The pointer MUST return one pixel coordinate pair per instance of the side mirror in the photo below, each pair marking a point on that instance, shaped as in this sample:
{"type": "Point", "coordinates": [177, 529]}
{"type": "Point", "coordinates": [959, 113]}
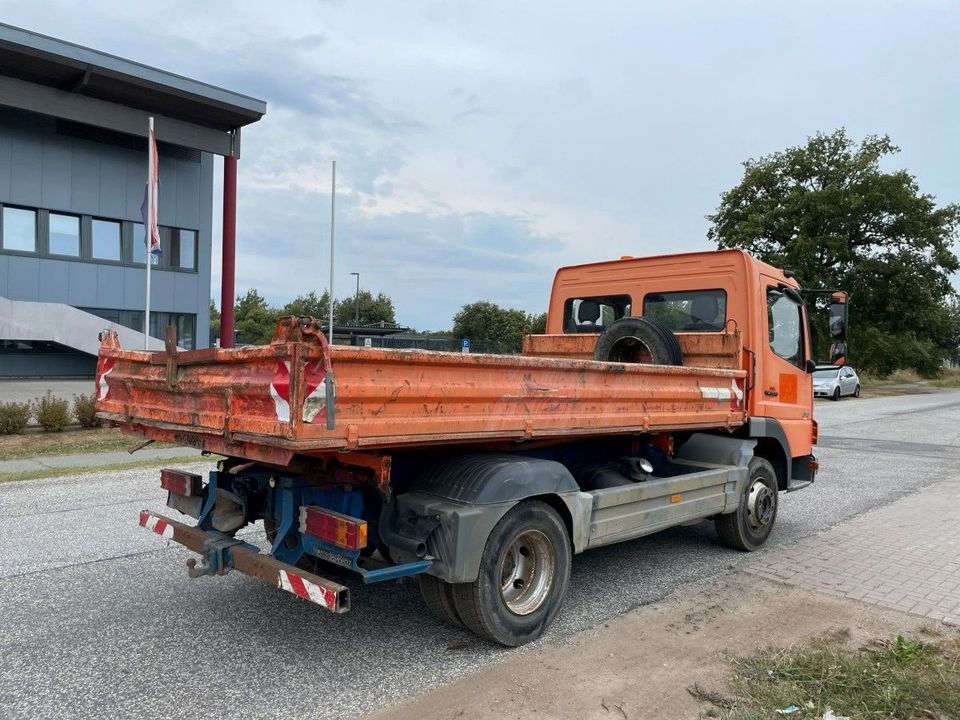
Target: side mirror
{"type": "Point", "coordinates": [838, 353]}
{"type": "Point", "coordinates": [810, 366]}
{"type": "Point", "coordinates": [838, 318]}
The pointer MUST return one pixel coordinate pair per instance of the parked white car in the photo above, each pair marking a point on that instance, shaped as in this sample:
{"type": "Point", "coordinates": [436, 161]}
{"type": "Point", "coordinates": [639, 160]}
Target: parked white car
{"type": "Point", "coordinates": [834, 382]}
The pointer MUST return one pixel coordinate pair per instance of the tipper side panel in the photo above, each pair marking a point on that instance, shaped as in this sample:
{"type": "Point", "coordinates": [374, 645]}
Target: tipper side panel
{"type": "Point", "coordinates": [250, 402]}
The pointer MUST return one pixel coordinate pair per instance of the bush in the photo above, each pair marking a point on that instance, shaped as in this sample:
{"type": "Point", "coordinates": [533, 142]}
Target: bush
{"type": "Point", "coordinates": [53, 413]}
{"type": "Point", "coordinates": [14, 417]}
{"type": "Point", "coordinates": [85, 410]}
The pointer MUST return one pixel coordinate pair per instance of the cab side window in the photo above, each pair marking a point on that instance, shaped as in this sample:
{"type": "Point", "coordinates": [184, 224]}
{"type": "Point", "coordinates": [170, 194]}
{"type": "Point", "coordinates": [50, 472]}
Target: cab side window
{"type": "Point", "coordinates": [785, 326]}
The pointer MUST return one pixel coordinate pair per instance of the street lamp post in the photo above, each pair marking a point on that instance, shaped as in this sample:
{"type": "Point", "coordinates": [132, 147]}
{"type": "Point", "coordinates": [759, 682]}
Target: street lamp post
{"type": "Point", "coordinates": [356, 302]}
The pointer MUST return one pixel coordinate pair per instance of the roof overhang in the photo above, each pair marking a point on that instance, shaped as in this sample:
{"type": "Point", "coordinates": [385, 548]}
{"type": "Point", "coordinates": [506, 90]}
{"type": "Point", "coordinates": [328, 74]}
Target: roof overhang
{"type": "Point", "coordinates": [52, 77]}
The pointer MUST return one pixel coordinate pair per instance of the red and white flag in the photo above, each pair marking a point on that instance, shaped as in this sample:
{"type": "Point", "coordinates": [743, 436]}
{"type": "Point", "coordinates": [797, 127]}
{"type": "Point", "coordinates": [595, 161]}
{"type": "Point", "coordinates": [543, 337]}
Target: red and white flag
{"type": "Point", "coordinates": [148, 209]}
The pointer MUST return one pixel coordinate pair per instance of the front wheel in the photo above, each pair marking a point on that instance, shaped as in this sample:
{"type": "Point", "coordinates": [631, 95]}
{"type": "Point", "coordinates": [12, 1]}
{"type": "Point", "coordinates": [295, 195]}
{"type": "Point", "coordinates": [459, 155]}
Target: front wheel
{"type": "Point", "coordinates": [836, 394]}
{"type": "Point", "coordinates": [523, 577]}
{"type": "Point", "coordinates": [749, 526]}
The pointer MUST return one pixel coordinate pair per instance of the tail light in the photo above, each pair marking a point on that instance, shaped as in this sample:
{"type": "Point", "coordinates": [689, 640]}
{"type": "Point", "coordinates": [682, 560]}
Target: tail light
{"type": "Point", "coordinates": [815, 432]}
{"type": "Point", "coordinates": [180, 482]}
{"type": "Point", "coordinates": [333, 527]}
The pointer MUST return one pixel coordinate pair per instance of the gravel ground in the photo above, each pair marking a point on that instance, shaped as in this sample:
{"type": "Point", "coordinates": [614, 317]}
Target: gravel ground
{"type": "Point", "coordinates": [100, 619]}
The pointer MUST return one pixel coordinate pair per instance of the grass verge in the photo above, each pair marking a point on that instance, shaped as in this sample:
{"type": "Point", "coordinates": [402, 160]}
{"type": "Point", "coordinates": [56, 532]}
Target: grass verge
{"type": "Point", "coordinates": [34, 443]}
{"type": "Point", "coordinates": [899, 678]}
{"type": "Point", "coordinates": [948, 378]}
{"type": "Point", "coordinates": [132, 465]}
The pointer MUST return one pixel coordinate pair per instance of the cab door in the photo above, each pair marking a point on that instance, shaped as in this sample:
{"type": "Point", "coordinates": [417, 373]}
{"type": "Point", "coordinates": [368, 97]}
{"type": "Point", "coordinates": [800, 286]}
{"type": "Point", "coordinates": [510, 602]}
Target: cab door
{"type": "Point", "coordinates": [786, 385]}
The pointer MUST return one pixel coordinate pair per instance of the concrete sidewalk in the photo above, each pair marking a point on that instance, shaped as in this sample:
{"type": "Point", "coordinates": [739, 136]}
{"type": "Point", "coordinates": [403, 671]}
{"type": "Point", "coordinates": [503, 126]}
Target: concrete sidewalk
{"type": "Point", "coordinates": [904, 556]}
{"type": "Point", "coordinates": [104, 459]}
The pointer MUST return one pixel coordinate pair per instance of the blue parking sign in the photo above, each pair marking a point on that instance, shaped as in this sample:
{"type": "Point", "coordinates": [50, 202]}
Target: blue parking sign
{"type": "Point", "coordinates": [465, 345]}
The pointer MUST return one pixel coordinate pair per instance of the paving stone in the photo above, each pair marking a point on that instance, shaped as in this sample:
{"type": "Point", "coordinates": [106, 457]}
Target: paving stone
{"type": "Point", "coordinates": [901, 556]}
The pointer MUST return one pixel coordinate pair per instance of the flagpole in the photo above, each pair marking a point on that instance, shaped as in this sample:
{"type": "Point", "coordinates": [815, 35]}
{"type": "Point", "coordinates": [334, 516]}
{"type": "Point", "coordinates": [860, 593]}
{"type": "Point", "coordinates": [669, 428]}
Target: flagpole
{"type": "Point", "coordinates": [333, 208]}
{"type": "Point", "coordinates": [147, 229]}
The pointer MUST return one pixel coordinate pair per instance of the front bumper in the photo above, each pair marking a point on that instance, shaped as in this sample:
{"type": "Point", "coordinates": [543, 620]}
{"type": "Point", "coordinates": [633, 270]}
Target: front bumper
{"type": "Point", "coordinates": [221, 553]}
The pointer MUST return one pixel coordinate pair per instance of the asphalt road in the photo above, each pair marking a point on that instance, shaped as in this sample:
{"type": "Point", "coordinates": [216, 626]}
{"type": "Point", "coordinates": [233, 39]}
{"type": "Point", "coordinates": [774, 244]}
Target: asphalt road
{"type": "Point", "coordinates": [98, 618]}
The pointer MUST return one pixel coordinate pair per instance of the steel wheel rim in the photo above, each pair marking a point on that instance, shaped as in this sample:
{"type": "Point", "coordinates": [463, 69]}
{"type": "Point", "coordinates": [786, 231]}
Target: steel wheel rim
{"type": "Point", "coordinates": [527, 572]}
{"type": "Point", "coordinates": [630, 349]}
{"type": "Point", "coordinates": [760, 506]}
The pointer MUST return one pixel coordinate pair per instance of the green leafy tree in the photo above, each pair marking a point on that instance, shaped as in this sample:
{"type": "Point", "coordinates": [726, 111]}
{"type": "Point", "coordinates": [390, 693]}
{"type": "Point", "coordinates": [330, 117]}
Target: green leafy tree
{"type": "Point", "coordinates": [310, 304]}
{"type": "Point", "coordinates": [537, 324]}
{"type": "Point", "coordinates": [254, 319]}
{"type": "Point", "coordinates": [373, 309]}
{"type": "Point", "coordinates": [491, 328]}
{"type": "Point", "coordinates": [829, 212]}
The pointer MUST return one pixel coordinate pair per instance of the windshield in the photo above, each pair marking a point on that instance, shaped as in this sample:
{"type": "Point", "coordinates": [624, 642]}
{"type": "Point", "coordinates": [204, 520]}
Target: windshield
{"type": "Point", "coordinates": [826, 374]}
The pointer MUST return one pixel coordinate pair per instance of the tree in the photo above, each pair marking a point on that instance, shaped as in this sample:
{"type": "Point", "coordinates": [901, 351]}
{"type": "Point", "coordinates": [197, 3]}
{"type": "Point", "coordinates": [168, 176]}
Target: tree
{"type": "Point", "coordinates": [491, 328]}
{"type": "Point", "coordinates": [372, 309]}
{"type": "Point", "coordinates": [828, 212]}
{"type": "Point", "coordinates": [214, 323]}
{"type": "Point", "coordinates": [254, 320]}
{"type": "Point", "coordinates": [537, 324]}
{"type": "Point", "coordinates": [309, 304]}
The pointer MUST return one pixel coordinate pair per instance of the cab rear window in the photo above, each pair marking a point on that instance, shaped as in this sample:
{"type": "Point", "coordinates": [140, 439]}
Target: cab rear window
{"type": "Point", "coordinates": [594, 314]}
{"type": "Point", "coordinates": [688, 311]}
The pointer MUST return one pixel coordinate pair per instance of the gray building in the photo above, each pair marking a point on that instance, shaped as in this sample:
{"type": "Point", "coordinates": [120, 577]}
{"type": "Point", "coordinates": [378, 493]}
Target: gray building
{"type": "Point", "coordinates": [73, 166]}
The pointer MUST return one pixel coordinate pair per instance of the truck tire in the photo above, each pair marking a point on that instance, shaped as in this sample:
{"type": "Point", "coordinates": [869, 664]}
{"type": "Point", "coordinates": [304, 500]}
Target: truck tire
{"type": "Point", "coordinates": [438, 596]}
{"type": "Point", "coordinates": [523, 577]}
{"type": "Point", "coordinates": [639, 339]}
{"type": "Point", "coordinates": [749, 526]}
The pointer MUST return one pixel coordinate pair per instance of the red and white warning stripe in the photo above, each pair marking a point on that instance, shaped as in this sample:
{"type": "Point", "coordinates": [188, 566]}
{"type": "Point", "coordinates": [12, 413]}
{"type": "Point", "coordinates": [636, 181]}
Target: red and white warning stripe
{"type": "Point", "coordinates": [302, 587]}
{"type": "Point", "coordinates": [155, 524]}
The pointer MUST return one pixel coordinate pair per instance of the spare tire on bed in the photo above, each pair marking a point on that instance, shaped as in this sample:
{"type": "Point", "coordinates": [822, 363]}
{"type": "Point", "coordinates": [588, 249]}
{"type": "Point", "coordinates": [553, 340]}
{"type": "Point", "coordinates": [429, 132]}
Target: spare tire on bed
{"type": "Point", "coordinates": [639, 340]}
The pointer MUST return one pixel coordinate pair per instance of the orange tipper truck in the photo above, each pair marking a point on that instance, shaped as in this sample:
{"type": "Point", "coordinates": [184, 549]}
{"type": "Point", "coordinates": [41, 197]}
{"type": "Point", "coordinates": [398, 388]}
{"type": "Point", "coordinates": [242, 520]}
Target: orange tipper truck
{"type": "Point", "coordinates": [666, 390]}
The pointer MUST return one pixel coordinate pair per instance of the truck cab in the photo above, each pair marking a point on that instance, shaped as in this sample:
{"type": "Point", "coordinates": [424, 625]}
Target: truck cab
{"type": "Point", "coordinates": [713, 292]}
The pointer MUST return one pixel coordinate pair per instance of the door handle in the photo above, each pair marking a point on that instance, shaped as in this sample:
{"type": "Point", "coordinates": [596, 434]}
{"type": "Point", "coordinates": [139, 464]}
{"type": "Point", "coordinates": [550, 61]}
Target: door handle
{"type": "Point", "coordinates": [770, 392]}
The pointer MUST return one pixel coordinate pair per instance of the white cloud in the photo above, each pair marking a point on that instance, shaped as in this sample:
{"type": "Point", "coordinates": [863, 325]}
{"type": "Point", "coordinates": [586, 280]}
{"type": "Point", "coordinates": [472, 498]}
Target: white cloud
{"type": "Point", "coordinates": [480, 145]}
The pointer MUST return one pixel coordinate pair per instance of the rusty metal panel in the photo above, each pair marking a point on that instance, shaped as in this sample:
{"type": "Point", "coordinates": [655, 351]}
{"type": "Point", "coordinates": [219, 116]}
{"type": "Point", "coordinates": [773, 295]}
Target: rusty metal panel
{"type": "Point", "coordinates": [702, 349]}
{"type": "Point", "coordinates": [273, 397]}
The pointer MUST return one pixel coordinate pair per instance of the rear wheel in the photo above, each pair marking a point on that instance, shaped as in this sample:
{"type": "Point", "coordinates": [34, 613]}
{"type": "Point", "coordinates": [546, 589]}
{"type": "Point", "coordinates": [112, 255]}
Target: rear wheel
{"type": "Point", "coordinates": [749, 526]}
{"type": "Point", "coordinates": [856, 391]}
{"type": "Point", "coordinates": [438, 596]}
{"type": "Point", "coordinates": [523, 577]}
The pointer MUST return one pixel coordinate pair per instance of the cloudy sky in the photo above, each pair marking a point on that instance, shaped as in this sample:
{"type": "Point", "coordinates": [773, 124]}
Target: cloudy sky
{"type": "Point", "coordinates": [480, 145]}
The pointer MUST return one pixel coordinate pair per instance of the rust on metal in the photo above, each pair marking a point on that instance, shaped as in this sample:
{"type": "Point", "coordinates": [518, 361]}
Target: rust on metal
{"type": "Point", "coordinates": [702, 349]}
{"type": "Point", "coordinates": [268, 403]}
{"type": "Point", "coordinates": [170, 347]}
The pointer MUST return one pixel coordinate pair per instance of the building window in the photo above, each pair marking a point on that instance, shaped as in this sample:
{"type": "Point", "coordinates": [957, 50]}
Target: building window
{"type": "Point", "coordinates": [186, 325]}
{"type": "Point", "coordinates": [140, 245]}
{"type": "Point", "coordinates": [183, 249]}
{"type": "Point", "coordinates": [106, 240]}
{"type": "Point", "coordinates": [19, 229]}
{"type": "Point", "coordinates": [64, 235]}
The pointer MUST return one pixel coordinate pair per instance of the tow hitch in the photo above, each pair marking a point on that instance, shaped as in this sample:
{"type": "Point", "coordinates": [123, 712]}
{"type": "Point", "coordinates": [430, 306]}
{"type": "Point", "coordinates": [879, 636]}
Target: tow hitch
{"type": "Point", "coordinates": [222, 553]}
